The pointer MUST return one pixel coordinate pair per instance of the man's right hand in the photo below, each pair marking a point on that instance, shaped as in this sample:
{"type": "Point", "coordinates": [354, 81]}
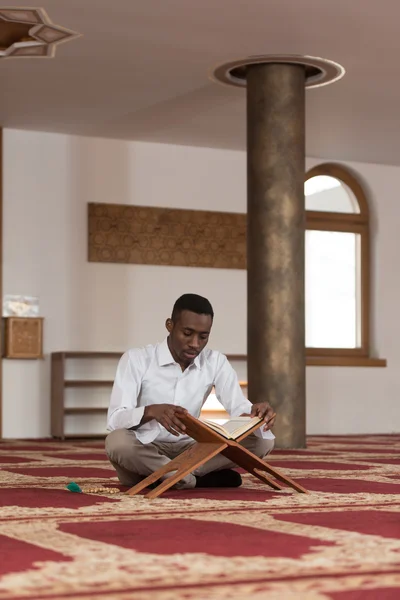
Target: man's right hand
{"type": "Point", "coordinates": [168, 416]}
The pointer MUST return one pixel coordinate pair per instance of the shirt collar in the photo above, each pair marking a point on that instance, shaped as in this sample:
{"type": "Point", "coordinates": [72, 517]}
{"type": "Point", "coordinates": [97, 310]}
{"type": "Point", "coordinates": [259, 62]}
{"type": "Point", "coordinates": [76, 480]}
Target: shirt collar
{"type": "Point", "coordinates": [197, 361]}
{"type": "Point", "coordinates": [165, 357]}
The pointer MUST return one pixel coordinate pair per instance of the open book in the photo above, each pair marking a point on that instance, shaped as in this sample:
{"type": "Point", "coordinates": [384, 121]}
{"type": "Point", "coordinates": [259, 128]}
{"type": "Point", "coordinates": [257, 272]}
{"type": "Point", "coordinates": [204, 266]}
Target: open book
{"type": "Point", "coordinates": [233, 428]}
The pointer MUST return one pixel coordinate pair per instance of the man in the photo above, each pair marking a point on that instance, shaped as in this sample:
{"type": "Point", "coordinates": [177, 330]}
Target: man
{"type": "Point", "coordinates": [154, 386]}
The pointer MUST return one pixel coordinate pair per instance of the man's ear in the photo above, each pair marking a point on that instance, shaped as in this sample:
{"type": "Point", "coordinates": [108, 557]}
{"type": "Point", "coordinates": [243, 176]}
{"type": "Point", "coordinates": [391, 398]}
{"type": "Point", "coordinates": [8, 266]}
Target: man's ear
{"type": "Point", "coordinates": [169, 324]}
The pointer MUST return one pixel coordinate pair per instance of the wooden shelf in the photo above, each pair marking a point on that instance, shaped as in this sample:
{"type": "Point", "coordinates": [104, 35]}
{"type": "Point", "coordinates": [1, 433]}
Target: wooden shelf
{"type": "Point", "coordinates": [84, 411]}
{"type": "Point", "coordinates": [79, 354]}
{"type": "Point", "coordinates": [232, 357]}
{"type": "Point", "coordinates": [87, 383]}
{"type": "Point", "coordinates": [82, 354]}
{"type": "Point", "coordinates": [59, 383]}
{"type": "Point", "coordinates": [84, 436]}
{"type": "Point", "coordinates": [101, 383]}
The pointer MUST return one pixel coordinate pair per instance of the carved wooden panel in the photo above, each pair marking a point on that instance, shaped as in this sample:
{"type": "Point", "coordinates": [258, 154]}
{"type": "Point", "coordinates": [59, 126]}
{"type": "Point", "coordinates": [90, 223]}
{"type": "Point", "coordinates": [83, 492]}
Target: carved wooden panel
{"type": "Point", "coordinates": [164, 236]}
{"type": "Point", "coordinates": [23, 337]}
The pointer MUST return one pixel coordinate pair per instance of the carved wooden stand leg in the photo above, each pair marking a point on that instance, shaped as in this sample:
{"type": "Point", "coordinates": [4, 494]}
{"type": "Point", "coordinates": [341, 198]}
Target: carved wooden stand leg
{"type": "Point", "coordinates": [257, 467]}
{"type": "Point", "coordinates": [183, 464]}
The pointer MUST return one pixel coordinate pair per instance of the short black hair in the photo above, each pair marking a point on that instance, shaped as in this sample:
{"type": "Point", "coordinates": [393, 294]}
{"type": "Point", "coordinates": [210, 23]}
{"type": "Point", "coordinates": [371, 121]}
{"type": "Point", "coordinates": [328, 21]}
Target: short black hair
{"type": "Point", "coordinates": [194, 303]}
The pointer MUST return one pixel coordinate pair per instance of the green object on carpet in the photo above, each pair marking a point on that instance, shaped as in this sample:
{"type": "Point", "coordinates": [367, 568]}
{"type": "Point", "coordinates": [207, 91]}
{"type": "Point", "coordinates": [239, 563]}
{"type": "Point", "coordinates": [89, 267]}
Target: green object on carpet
{"type": "Point", "coordinates": [74, 487]}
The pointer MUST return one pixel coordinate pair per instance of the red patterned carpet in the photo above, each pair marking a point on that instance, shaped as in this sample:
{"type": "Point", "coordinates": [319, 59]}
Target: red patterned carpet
{"type": "Point", "coordinates": [341, 542]}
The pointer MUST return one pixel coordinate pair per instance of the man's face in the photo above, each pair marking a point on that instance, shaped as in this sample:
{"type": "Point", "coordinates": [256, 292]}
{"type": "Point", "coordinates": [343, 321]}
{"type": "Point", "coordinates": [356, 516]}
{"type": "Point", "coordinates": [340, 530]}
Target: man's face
{"type": "Point", "coordinates": [188, 335]}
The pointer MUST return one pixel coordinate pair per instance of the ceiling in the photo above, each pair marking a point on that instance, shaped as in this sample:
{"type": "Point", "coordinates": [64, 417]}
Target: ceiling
{"type": "Point", "coordinates": [140, 71]}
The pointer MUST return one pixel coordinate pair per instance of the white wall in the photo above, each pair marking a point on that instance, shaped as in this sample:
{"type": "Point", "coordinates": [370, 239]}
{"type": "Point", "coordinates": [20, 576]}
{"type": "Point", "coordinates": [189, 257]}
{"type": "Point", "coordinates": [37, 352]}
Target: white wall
{"type": "Point", "coordinates": [48, 181]}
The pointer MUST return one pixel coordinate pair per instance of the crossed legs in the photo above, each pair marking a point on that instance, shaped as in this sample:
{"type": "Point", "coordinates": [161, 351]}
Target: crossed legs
{"type": "Point", "coordinates": [133, 461]}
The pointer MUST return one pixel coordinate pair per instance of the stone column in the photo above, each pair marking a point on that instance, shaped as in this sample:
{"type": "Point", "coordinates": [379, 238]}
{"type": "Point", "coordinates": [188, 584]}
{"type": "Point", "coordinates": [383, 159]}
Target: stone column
{"type": "Point", "coordinates": [275, 244]}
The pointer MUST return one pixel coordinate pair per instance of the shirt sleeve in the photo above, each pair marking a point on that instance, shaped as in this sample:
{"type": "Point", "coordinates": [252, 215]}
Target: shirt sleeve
{"type": "Point", "coordinates": [123, 412]}
{"type": "Point", "coordinates": [228, 390]}
{"type": "Point", "coordinates": [229, 393]}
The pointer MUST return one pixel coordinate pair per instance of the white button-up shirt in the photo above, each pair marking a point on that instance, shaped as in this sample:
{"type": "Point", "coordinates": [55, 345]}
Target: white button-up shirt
{"type": "Point", "coordinates": [150, 375]}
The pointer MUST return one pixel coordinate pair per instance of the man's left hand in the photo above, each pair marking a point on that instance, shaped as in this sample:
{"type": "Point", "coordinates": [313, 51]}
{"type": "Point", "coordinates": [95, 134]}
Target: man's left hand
{"type": "Point", "coordinates": [265, 411]}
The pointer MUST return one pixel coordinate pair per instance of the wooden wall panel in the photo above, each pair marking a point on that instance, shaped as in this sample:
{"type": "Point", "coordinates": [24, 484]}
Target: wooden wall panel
{"type": "Point", "coordinates": [163, 236]}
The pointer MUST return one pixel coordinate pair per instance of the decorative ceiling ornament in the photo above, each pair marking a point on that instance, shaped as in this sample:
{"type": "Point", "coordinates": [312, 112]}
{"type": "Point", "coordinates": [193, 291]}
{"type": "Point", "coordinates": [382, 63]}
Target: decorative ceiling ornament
{"type": "Point", "coordinates": [318, 71]}
{"type": "Point", "coordinates": [29, 32]}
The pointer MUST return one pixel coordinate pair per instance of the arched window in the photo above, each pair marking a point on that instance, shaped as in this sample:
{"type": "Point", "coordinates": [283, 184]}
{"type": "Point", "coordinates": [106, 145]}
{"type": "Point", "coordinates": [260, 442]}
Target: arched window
{"type": "Point", "coordinates": [337, 266]}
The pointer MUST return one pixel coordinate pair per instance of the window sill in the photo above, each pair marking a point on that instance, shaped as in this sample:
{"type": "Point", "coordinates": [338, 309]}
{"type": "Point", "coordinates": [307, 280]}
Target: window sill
{"type": "Point", "coordinates": [344, 361]}
{"type": "Point", "coordinates": [327, 361]}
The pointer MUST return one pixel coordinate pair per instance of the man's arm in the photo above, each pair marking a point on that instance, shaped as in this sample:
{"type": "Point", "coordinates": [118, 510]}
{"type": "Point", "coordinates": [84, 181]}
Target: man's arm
{"type": "Point", "coordinates": [167, 415]}
{"type": "Point", "coordinates": [124, 413]}
{"type": "Point", "coordinates": [229, 393]}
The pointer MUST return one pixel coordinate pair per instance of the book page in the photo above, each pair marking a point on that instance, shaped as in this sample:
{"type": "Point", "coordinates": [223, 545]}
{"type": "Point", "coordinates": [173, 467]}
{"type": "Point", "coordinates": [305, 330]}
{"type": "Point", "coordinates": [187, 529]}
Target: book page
{"type": "Point", "coordinates": [239, 425]}
{"type": "Point", "coordinates": [233, 427]}
{"type": "Point", "coordinates": [234, 423]}
{"type": "Point", "coordinates": [218, 427]}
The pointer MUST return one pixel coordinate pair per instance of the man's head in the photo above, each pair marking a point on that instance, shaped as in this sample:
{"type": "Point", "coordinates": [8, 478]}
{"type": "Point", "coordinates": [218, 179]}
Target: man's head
{"type": "Point", "coordinates": [189, 327]}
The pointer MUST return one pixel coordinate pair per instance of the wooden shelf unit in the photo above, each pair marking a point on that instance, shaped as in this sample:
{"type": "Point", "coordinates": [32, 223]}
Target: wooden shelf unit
{"type": "Point", "coordinates": [59, 383]}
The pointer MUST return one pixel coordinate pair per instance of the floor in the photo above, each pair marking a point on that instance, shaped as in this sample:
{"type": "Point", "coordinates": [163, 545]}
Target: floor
{"type": "Point", "coordinates": [340, 542]}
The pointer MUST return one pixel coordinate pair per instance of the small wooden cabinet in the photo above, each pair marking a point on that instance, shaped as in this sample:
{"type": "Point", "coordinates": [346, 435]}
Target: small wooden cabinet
{"type": "Point", "coordinates": [23, 337]}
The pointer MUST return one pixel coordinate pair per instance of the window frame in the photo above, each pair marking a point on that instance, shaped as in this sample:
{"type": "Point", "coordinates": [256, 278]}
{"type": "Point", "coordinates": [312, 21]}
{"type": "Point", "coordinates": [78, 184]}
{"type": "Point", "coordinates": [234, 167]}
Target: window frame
{"type": "Point", "coordinates": [357, 223]}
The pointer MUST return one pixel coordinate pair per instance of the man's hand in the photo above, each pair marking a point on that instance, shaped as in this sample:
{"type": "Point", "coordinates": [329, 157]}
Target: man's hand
{"type": "Point", "coordinates": [167, 415]}
{"type": "Point", "coordinates": [265, 411]}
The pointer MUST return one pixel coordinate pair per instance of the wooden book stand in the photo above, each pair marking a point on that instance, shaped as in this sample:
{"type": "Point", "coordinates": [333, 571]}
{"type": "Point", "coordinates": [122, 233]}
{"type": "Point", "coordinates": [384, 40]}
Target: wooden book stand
{"type": "Point", "coordinates": [209, 444]}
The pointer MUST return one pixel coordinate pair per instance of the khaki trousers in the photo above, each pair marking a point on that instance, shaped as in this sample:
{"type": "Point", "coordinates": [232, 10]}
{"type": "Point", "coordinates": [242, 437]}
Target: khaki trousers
{"type": "Point", "coordinates": [133, 461]}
